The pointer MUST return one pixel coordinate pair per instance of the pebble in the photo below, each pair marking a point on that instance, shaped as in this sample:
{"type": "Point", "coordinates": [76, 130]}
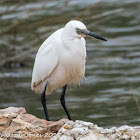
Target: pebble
{"type": "Point", "coordinates": [133, 138]}
{"type": "Point", "coordinates": [79, 131]}
{"type": "Point", "coordinates": [125, 137]}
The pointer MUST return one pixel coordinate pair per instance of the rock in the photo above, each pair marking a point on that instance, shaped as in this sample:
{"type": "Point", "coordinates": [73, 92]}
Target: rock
{"type": "Point", "coordinates": [80, 130]}
{"type": "Point", "coordinates": [12, 110]}
{"type": "Point", "coordinates": [15, 123]}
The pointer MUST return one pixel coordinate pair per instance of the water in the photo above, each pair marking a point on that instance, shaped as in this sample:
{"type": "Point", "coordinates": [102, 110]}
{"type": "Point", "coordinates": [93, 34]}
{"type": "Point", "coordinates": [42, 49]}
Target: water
{"type": "Point", "coordinates": [110, 96]}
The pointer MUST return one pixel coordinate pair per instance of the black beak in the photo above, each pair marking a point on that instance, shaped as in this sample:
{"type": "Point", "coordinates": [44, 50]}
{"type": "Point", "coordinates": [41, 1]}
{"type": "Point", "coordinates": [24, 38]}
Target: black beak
{"type": "Point", "coordinates": [89, 33]}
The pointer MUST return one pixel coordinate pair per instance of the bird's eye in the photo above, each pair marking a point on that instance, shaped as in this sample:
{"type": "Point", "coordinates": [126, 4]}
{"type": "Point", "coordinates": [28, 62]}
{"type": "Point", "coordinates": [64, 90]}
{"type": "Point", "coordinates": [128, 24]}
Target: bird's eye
{"type": "Point", "coordinates": [78, 30]}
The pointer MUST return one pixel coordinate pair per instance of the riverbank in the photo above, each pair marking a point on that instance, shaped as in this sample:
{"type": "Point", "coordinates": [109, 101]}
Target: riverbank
{"type": "Point", "coordinates": [16, 123]}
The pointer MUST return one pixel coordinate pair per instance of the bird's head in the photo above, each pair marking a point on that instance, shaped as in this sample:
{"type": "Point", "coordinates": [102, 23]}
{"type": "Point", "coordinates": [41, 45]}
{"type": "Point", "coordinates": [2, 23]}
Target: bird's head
{"type": "Point", "coordinates": [77, 29]}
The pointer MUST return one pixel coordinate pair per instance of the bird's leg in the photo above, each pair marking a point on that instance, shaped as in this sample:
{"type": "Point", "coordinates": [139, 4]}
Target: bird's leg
{"type": "Point", "coordinates": [43, 99]}
{"type": "Point", "coordinates": [62, 100]}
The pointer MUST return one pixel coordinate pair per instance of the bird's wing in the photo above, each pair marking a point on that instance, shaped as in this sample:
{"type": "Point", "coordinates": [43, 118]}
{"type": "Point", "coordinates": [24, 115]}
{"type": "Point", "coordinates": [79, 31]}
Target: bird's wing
{"type": "Point", "coordinates": [46, 60]}
{"type": "Point", "coordinates": [45, 63]}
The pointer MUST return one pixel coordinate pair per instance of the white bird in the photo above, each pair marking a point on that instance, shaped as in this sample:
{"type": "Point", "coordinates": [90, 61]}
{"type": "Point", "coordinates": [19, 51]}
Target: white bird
{"type": "Point", "coordinates": [60, 61]}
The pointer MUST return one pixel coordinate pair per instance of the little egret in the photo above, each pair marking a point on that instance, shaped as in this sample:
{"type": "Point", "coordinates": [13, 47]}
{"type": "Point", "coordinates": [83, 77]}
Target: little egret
{"type": "Point", "coordinates": [60, 61]}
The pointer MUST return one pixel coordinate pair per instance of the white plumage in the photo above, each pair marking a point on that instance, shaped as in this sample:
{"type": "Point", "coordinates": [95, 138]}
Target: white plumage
{"type": "Point", "coordinates": [61, 59]}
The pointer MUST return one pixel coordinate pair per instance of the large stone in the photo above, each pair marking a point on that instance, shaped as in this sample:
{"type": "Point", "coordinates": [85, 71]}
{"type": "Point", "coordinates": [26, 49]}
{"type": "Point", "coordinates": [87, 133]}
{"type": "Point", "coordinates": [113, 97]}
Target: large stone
{"type": "Point", "coordinates": [15, 123]}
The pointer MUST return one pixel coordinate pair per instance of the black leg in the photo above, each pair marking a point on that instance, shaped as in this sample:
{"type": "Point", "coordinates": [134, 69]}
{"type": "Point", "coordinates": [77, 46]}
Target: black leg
{"type": "Point", "coordinates": [43, 99]}
{"type": "Point", "coordinates": [62, 100]}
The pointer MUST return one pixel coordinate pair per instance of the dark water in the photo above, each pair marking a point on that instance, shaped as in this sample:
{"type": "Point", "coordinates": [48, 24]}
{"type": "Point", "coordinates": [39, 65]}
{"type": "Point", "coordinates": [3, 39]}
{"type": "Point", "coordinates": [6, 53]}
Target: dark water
{"type": "Point", "coordinates": [110, 96]}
